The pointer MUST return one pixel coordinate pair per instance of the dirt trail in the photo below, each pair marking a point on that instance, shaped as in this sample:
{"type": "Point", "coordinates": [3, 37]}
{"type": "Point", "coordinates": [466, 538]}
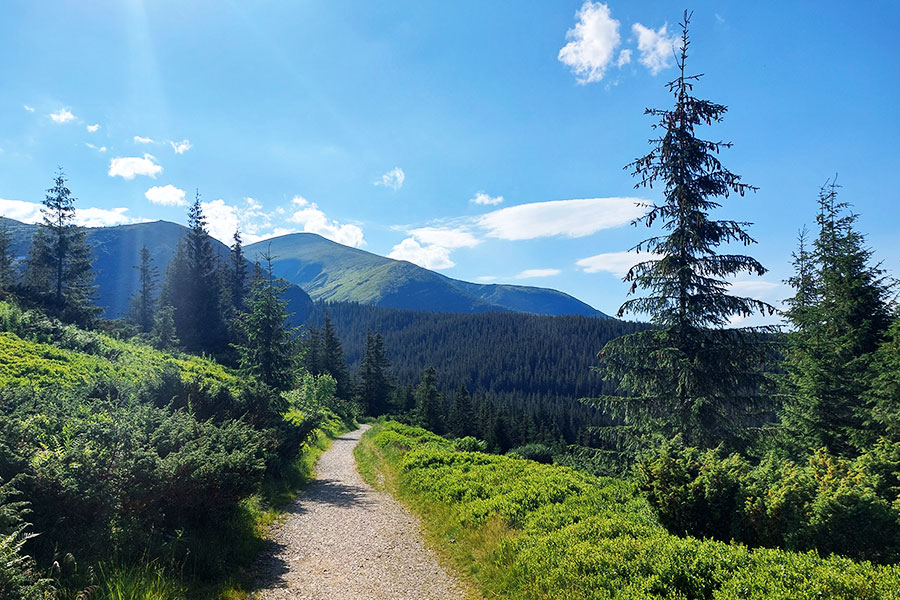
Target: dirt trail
{"type": "Point", "coordinates": [342, 540]}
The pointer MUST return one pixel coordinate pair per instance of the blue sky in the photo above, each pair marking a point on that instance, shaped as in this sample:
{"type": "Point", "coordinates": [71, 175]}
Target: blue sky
{"type": "Point", "coordinates": [485, 140]}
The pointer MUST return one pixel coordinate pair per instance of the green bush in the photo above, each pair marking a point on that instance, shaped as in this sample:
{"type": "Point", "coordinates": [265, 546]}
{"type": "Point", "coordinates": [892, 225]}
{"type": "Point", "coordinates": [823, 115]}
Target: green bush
{"type": "Point", "coordinates": [829, 504]}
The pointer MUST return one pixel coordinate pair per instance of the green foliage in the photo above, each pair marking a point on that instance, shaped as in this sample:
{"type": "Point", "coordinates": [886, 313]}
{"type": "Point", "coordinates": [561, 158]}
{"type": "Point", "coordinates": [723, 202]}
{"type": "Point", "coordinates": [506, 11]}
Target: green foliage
{"type": "Point", "coordinates": [268, 351]}
{"type": "Point", "coordinates": [839, 315]}
{"type": "Point", "coordinates": [58, 270]}
{"type": "Point", "coordinates": [193, 287]}
{"type": "Point", "coordinates": [143, 302]}
{"type": "Point", "coordinates": [537, 452]}
{"type": "Point", "coordinates": [689, 377]}
{"type": "Point", "coordinates": [375, 383]}
{"type": "Point", "coordinates": [531, 531]}
{"type": "Point", "coordinates": [829, 504]}
{"type": "Point", "coordinates": [18, 577]}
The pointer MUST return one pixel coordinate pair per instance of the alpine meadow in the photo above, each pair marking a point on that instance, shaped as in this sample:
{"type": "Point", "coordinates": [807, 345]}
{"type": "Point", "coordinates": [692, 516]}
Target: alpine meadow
{"type": "Point", "coordinates": [349, 300]}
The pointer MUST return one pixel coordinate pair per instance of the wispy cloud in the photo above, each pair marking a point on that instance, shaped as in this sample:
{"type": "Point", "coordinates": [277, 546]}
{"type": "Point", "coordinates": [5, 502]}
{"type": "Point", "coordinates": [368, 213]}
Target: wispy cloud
{"type": "Point", "coordinates": [97, 148]}
{"type": "Point", "coordinates": [617, 263]}
{"type": "Point", "coordinates": [536, 273]}
{"type": "Point", "coordinates": [143, 140]}
{"type": "Point", "coordinates": [392, 179]}
{"type": "Point", "coordinates": [28, 108]}
{"type": "Point", "coordinates": [128, 167]}
{"type": "Point", "coordinates": [592, 43]}
{"type": "Point", "coordinates": [485, 199]}
{"type": "Point", "coordinates": [308, 215]}
{"type": "Point", "coordinates": [181, 147]}
{"type": "Point", "coordinates": [569, 218]}
{"type": "Point", "coordinates": [657, 48]}
{"type": "Point", "coordinates": [62, 116]}
{"type": "Point", "coordinates": [165, 195]}
{"type": "Point", "coordinates": [93, 128]}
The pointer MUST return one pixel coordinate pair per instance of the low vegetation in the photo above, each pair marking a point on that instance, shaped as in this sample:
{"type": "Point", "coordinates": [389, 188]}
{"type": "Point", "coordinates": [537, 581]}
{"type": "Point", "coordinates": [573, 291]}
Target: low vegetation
{"type": "Point", "coordinates": [527, 530]}
{"type": "Point", "coordinates": [128, 472]}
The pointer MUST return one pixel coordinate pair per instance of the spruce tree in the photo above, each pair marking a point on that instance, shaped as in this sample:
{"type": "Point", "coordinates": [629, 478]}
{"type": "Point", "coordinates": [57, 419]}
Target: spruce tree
{"type": "Point", "coordinates": [58, 271]}
{"type": "Point", "coordinates": [143, 302]}
{"type": "Point", "coordinates": [839, 315]}
{"type": "Point", "coordinates": [193, 287]}
{"type": "Point", "coordinates": [460, 418]}
{"type": "Point", "coordinates": [237, 273]}
{"type": "Point", "coordinates": [689, 375]}
{"type": "Point", "coordinates": [331, 358]}
{"type": "Point", "coordinates": [375, 384]}
{"type": "Point", "coordinates": [269, 352]}
{"type": "Point", "coordinates": [429, 409]}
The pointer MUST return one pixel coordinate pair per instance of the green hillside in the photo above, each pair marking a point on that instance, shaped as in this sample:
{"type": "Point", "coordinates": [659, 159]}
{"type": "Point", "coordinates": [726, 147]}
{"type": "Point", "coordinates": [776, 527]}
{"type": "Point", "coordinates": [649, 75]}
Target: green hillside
{"type": "Point", "coordinates": [334, 273]}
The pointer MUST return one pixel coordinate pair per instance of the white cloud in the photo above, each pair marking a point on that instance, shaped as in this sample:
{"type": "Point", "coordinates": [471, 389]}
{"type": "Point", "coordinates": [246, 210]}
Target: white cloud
{"type": "Point", "coordinates": [448, 238]}
{"type": "Point", "coordinates": [28, 108]}
{"type": "Point", "coordinates": [486, 278]}
{"type": "Point", "coordinates": [571, 218]}
{"type": "Point", "coordinates": [624, 58]}
{"type": "Point", "coordinates": [97, 148]}
{"type": "Point", "coordinates": [593, 42]}
{"type": "Point", "coordinates": [314, 220]}
{"type": "Point", "coordinates": [93, 128]}
{"type": "Point", "coordinates": [100, 217]}
{"type": "Point", "coordinates": [617, 263]}
{"type": "Point", "coordinates": [656, 47]}
{"type": "Point", "coordinates": [30, 212]}
{"type": "Point", "coordinates": [431, 257]}
{"type": "Point", "coordinates": [181, 147]}
{"type": "Point", "coordinates": [143, 140]}
{"type": "Point", "coordinates": [128, 167]}
{"type": "Point", "coordinates": [482, 198]}
{"type": "Point", "coordinates": [63, 116]}
{"type": "Point", "coordinates": [392, 179]}
{"type": "Point", "coordinates": [166, 195]}
{"type": "Point", "coordinates": [534, 273]}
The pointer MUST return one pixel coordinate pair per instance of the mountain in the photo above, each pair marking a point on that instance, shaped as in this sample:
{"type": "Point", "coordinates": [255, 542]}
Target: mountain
{"type": "Point", "coordinates": [117, 253]}
{"type": "Point", "coordinates": [331, 272]}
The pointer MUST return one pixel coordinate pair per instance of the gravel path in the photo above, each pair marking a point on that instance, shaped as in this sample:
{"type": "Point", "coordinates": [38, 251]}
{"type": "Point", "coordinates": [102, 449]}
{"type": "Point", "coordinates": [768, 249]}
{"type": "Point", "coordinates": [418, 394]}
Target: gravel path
{"type": "Point", "coordinates": [342, 540]}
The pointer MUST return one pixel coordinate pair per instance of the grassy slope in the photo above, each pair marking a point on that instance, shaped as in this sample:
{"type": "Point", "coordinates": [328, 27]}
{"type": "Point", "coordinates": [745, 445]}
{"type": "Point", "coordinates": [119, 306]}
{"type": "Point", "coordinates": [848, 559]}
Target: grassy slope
{"type": "Point", "coordinates": [522, 530]}
{"type": "Point", "coordinates": [78, 358]}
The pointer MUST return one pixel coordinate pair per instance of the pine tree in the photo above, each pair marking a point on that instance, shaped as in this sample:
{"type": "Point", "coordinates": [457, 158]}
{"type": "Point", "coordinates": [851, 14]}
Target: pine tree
{"type": "Point", "coordinates": [331, 359]}
{"type": "Point", "coordinates": [269, 352]}
{"type": "Point", "coordinates": [193, 287]}
{"type": "Point", "coordinates": [690, 375]}
{"type": "Point", "coordinates": [839, 315]}
{"type": "Point", "coordinates": [461, 416]}
{"type": "Point", "coordinates": [429, 413]}
{"type": "Point", "coordinates": [883, 396]}
{"type": "Point", "coordinates": [143, 302]}
{"type": "Point", "coordinates": [237, 273]}
{"type": "Point", "coordinates": [58, 270]}
{"type": "Point", "coordinates": [375, 384]}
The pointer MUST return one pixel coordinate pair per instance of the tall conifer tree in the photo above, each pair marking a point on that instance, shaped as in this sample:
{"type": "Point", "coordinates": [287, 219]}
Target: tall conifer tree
{"type": "Point", "coordinates": [839, 315]}
{"type": "Point", "coordinates": [269, 352]}
{"type": "Point", "coordinates": [59, 269]}
{"type": "Point", "coordinates": [689, 376]}
{"type": "Point", "coordinates": [193, 288]}
{"type": "Point", "coordinates": [143, 303]}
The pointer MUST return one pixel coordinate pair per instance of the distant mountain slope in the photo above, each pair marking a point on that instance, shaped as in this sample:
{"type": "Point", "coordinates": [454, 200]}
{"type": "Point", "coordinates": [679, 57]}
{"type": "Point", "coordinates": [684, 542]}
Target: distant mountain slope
{"type": "Point", "coordinates": [331, 272]}
{"type": "Point", "coordinates": [117, 252]}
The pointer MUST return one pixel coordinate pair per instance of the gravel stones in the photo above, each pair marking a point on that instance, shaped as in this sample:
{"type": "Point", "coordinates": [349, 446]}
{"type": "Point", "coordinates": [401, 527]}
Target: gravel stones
{"type": "Point", "coordinates": [342, 540]}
